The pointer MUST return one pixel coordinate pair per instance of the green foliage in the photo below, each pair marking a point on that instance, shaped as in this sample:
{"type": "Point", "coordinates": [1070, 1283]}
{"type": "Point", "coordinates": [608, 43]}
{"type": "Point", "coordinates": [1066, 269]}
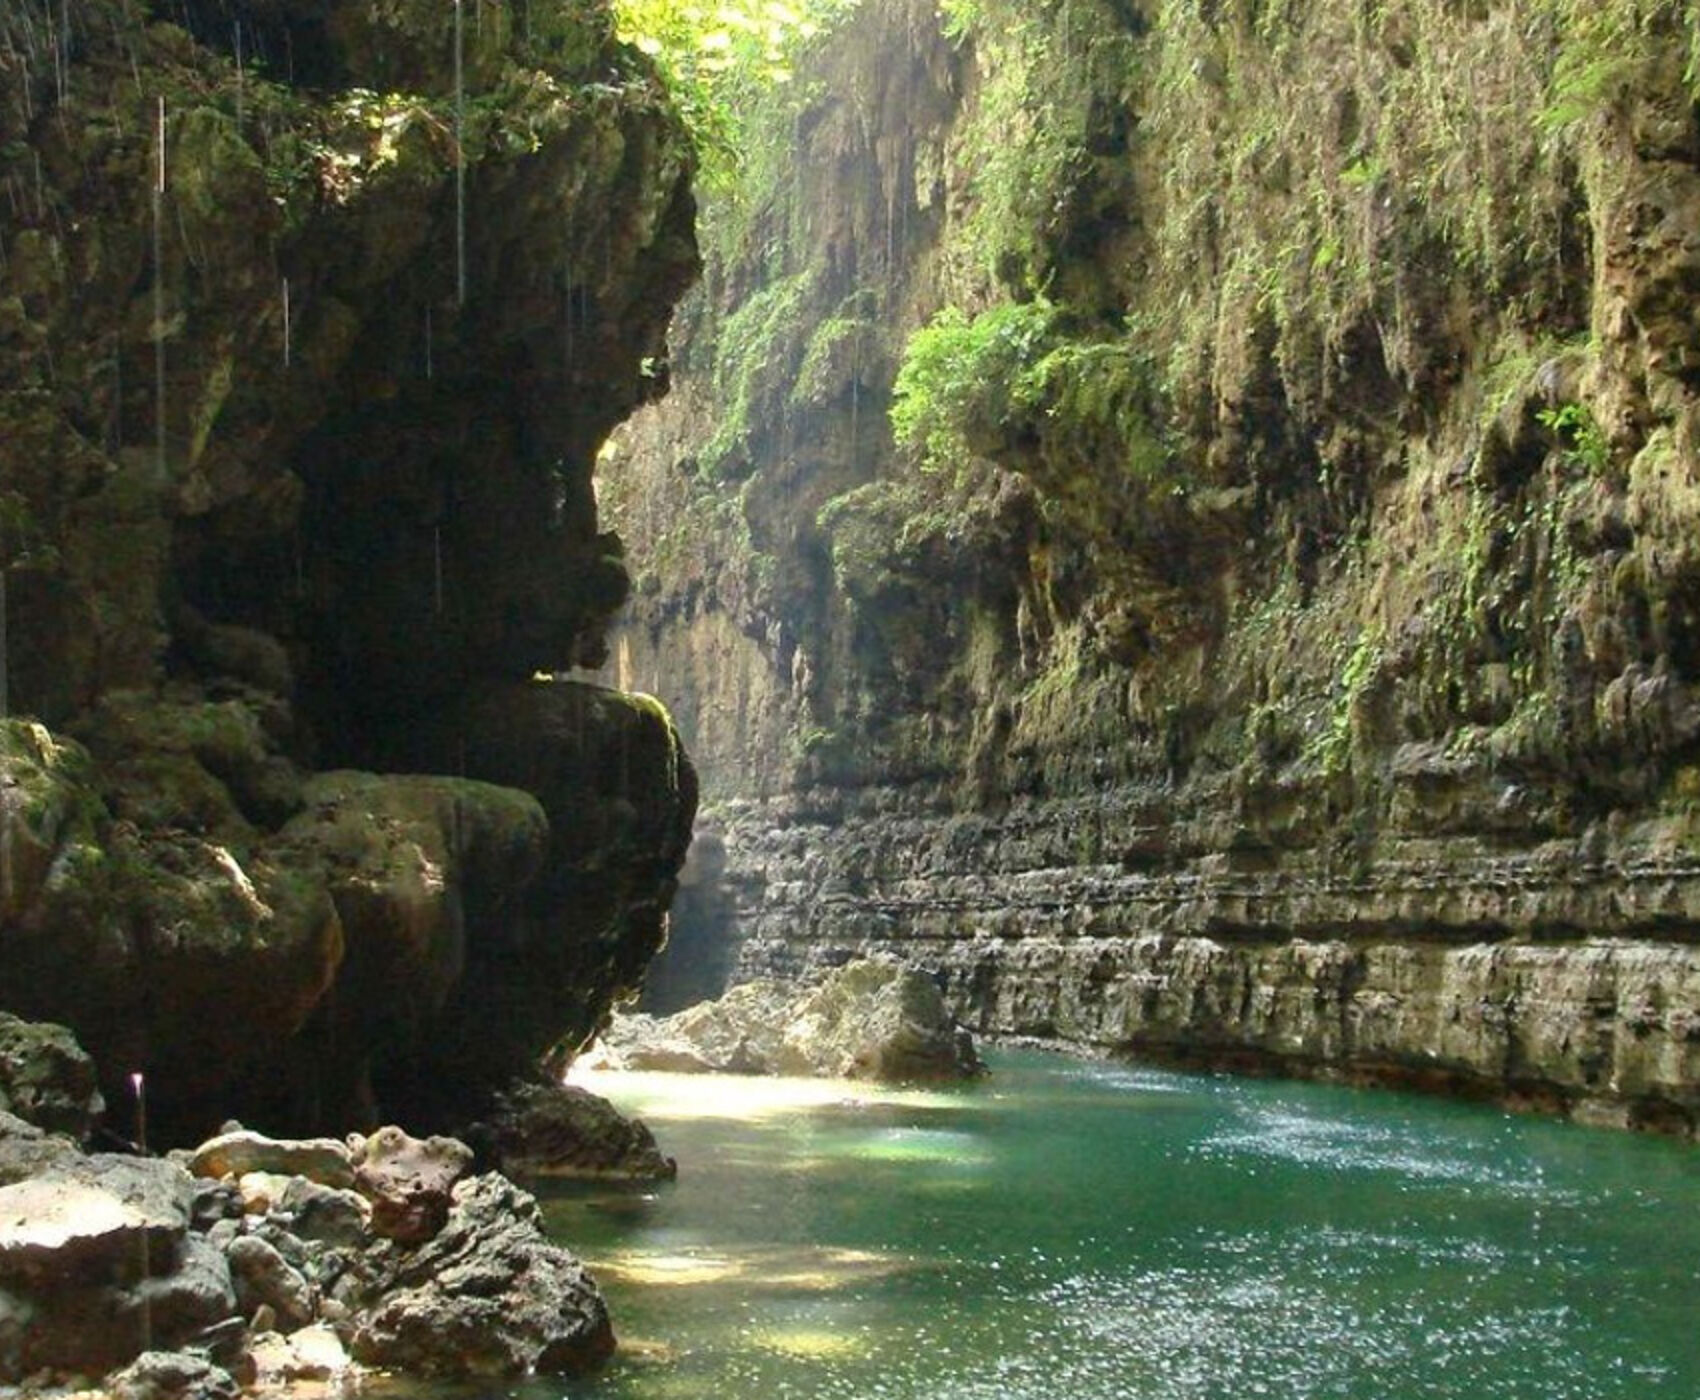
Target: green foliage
{"type": "Point", "coordinates": [957, 386]}
{"type": "Point", "coordinates": [1358, 659]}
{"type": "Point", "coordinates": [720, 59]}
{"type": "Point", "coordinates": [1014, 385]}
{"type": "Point", "coordinates": [1047, 70]}
{"type": "Point", "coordinates": [1575, 426]}
{"type": "Point", "coordinates": [754, 358]}
{"type": "Point", "coordinates": [841, 349]}
{"type": "Point", "coordinates": [1600, 48]}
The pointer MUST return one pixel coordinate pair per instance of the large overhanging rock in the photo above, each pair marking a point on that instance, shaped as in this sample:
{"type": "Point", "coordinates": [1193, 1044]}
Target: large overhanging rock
{"type": "Point", "coordinates": [360, 492]}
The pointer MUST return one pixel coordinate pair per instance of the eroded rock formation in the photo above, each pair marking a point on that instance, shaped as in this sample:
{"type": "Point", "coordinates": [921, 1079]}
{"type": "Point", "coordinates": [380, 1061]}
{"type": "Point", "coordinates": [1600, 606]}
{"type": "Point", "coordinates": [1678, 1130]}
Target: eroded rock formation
{"type": "Point", "coordinates": [304, 360]}
{"type": "Point", "coordinates": [280, 1260]}
{"type": "Point", "coordinates": [872, 1019]}
{"type": "Point", "coordinates": [1286, 657]}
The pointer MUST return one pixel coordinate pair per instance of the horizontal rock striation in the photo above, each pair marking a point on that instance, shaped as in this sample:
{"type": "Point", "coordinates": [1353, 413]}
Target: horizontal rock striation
{"type": "Point", "coordinates": [1566, 977]}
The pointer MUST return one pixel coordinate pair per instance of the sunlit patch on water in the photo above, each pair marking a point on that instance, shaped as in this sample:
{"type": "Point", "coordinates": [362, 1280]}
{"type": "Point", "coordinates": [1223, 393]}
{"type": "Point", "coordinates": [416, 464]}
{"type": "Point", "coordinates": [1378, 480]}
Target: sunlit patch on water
{"type": "Point", "coordinates": [1331, 1143]}
{"type": "Point", "coordinates": [810, 1344]}
{"type": "Point", "coordinates": [922, 1145]}
{"type": "Point", "coordinates": [743, 1096]}
{"type": "Point", "coordinates": [1193, 1331]}
{"type": "Point", "coordinates": [777, 1269]}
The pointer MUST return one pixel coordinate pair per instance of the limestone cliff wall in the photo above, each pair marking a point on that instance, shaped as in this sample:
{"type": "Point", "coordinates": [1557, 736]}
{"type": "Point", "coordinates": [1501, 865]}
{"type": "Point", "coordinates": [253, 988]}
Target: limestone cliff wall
{"type": "Point", "coordinates": [1273, 640]}
{"type": "Point", "coordinates": [312, 319]}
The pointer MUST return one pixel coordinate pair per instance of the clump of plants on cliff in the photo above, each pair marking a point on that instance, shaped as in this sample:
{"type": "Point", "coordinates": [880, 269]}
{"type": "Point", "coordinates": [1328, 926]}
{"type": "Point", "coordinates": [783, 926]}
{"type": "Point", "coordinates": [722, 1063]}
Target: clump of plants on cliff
{"type": "Point", "coordinates": [1015, 384]}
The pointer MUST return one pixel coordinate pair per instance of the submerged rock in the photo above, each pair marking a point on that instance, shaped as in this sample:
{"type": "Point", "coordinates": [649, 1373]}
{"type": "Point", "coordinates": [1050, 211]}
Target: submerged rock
{"type": "Point", "coordinates": [867, 1020]}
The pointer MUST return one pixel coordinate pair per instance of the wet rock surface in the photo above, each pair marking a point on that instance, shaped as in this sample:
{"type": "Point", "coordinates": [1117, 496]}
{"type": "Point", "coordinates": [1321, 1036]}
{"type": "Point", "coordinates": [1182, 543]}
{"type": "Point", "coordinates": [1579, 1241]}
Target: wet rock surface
{"type": "Point", "coordinates": [872, 1019]}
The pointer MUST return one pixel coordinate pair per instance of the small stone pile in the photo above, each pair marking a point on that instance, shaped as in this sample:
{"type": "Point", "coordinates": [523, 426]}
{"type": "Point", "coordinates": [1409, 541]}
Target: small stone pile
{"type": "Point", "coordinates": [257, 1259]}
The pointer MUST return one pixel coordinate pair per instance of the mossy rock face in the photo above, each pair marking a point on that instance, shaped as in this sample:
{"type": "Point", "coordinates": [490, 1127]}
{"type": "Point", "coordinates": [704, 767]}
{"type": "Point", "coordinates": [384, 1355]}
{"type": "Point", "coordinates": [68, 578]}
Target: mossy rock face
{"type": "Point", "coordinates": [46, 804]}
{"type": "Point", "coordinates": [294, 446]}
{"type": "Point", "coordinates": [170, 953]}
{"type": "Point", "coordinates": [620, 797]}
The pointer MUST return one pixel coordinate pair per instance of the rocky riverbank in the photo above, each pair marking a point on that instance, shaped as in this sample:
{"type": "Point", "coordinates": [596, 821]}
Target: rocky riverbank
{"type": "Point", "coordinates": [253, 1261]}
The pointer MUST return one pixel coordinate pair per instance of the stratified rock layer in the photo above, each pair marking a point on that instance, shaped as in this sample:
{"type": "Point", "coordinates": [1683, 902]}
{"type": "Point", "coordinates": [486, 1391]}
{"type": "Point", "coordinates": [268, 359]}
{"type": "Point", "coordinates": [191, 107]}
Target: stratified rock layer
{"type": "Point", "coordinates": [1547, 977]}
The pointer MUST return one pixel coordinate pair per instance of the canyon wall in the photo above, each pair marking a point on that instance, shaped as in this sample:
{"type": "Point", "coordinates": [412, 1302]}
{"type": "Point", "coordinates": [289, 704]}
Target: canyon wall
{"type": "Point", "coordinates": [1269, 637]}
{"type": "Point", "coordinates": [313, 317]}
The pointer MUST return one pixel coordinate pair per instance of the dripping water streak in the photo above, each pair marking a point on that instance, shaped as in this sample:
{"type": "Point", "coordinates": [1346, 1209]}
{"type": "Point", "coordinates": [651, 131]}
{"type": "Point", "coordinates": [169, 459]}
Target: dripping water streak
{"type": "Point", "coordinates": [460, 161]}
{"type": "Point", "coordinates": [159, 288]}
{"type": "Point", "coordinates": [287, 350]}
{"type": "Point", "coordinates": [430, 361]}
{"type": "Point", "coordinates": [145, 1315]}
{"type": "Point", "coordinates": [5, 710]}
{"type": "Point", "coordinates": [240, 88]}
{"type": "Point", "coordinates": [437, 567]}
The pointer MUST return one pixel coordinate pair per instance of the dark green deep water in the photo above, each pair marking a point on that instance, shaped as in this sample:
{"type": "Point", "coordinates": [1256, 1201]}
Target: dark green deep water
{"type": "Point", "coordinates": [1069, 1231]}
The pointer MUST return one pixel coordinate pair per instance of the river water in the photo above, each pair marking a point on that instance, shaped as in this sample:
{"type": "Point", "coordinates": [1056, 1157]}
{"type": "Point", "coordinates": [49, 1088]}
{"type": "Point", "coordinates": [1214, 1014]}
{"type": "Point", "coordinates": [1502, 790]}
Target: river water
{"type": "Point", "coordinates": [1079, 1231]}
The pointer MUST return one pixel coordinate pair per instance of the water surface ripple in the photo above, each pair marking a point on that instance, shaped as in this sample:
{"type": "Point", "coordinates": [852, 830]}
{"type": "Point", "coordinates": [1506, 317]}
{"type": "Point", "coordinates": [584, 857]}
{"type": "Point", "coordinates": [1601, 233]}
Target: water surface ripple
{"type": "Point", "coordinates": [1075, 1231]}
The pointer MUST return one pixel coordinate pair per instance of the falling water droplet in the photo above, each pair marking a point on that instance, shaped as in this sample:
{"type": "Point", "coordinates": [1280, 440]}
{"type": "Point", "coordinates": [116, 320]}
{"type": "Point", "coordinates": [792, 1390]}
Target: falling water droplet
{"type": "Point", "coordinates": [460, 162]}
{"type": "Point", "coordinates": [287, 349]}
{"type": "Point", "coordinates": [437, 566]}
{"type": "Point", "coordinates": [430, 362]}
{"type": "Point", "coordinates": [240, 88]}
{"type": "Point", "coordinates": [5, 793]}
{"type": "Point", "coordinates": [159, 286]}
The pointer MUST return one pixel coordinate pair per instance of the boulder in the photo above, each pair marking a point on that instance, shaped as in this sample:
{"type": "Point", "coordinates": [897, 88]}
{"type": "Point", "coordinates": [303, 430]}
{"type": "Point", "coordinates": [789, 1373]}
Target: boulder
{"type": "Point", "coordinates": [562, 1130]}
{"type": "Point", "coordinates": [488, 1295]}
{"type": "Point", "coordinates": [264, 1278]}
{"type": "Point", "coordinates": [236, 1153]}
{"type": "Point", "coordinates": [173, 1375]}
{"type": "Point", "coordinates": [26, 1151]}
{"type": "Point", "coordinates": [313, 1353]}
{"type": "Point", "coordinates": [317, 1214]}
{"type": "Point", "coordinates": [408, 1181]}
{"type": "Point", "coordinates": [866, 1020]}
{"type": "Point", "coordinates": [194, 1296]}
{"type": "Point", "coordinates": [47, 1079]}
{"type": "Point", "coordinates": [101, 1219]}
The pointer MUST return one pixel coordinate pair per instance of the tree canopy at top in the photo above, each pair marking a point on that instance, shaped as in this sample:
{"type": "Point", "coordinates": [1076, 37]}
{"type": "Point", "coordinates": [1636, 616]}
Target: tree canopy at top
{"type": "Point", "coordinates": [723, 58]}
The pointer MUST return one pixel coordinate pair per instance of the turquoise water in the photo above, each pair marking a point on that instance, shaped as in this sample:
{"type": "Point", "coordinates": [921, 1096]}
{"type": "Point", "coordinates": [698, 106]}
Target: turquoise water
{"type": "Point", "coordinates": [1070, 1231]}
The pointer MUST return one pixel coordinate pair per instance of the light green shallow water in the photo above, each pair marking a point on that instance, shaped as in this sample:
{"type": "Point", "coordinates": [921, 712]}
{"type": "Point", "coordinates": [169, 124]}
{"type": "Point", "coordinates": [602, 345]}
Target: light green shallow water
{"type": "Point", "coordinates": [1071, 1231]}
